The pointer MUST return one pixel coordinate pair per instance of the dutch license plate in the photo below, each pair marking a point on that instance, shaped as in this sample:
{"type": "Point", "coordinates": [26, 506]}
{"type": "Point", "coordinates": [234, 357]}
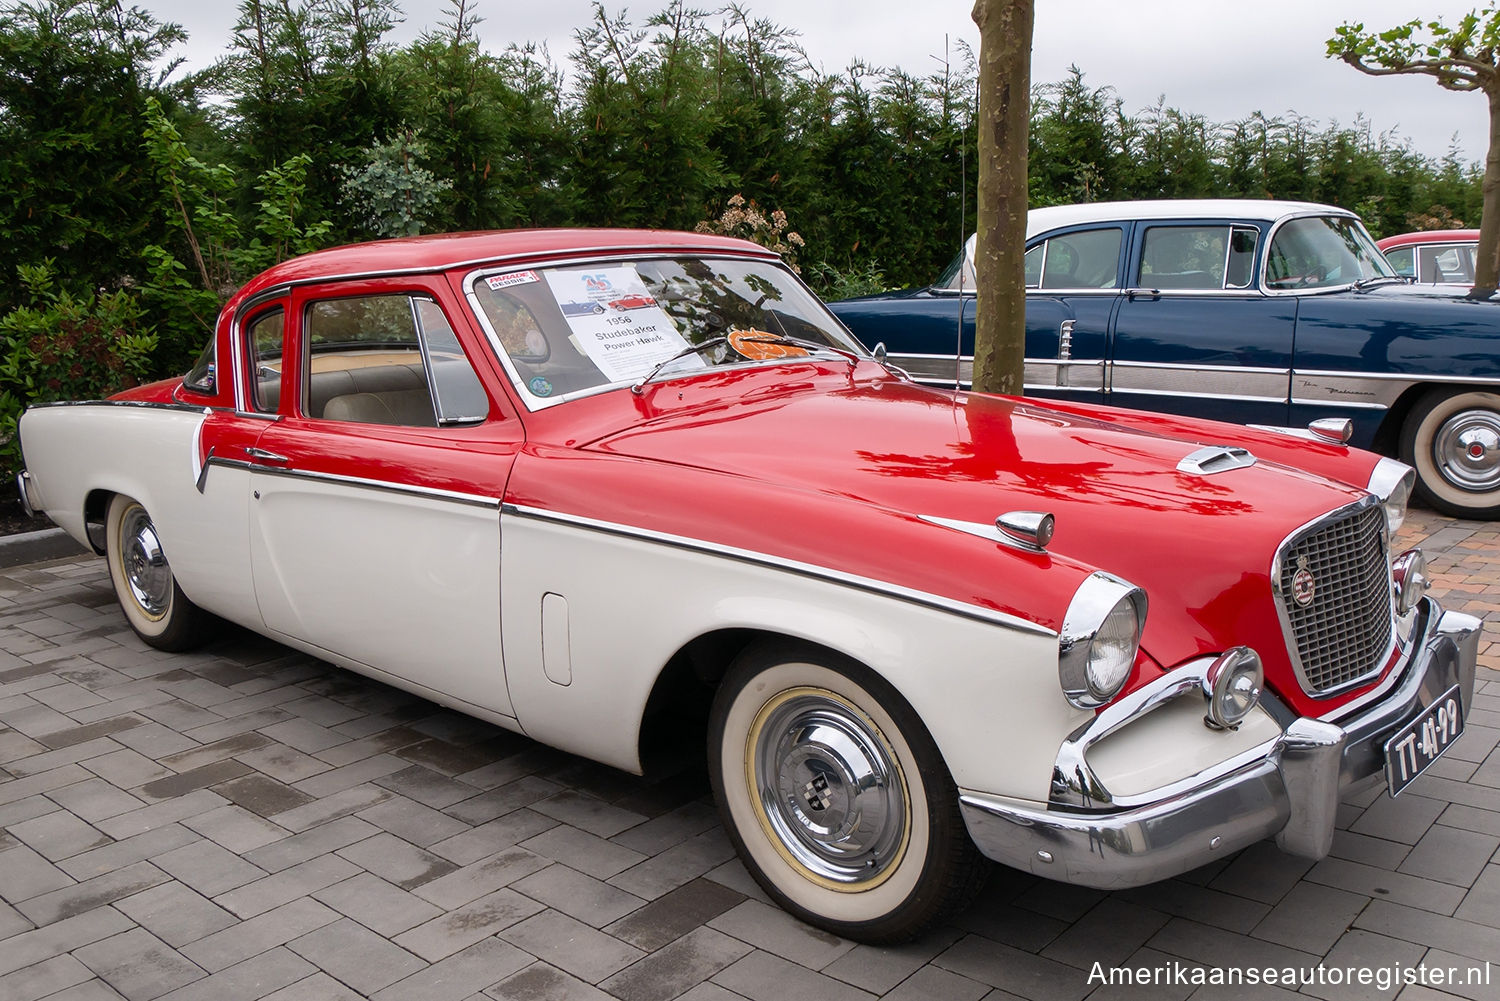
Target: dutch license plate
{"type": "Point", "coordinates": [1420, 742]}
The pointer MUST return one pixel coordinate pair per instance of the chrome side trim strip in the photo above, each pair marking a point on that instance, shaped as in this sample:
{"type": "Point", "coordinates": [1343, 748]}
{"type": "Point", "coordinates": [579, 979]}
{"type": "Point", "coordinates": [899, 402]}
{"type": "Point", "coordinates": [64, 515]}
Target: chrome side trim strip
{"type": "Point", "coordinates": [780, 563]}
{"type": "Point", "coordinates": [474, 500]}
{"type": "Point", "coordinates": [1217, 381]}
{"type": "Point", "coordinates": [136, 404]}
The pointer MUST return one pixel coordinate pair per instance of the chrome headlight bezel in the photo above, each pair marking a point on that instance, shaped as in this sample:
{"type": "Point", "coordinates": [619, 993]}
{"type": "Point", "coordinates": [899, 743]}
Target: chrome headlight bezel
{"type": "Point", "coordinates": [1233, 683]}
{"type": "Point", "coordinates": [1409, 581]}
{"type": "Point", "coordinates": [1392, 482]}
{"type": "Point", "coordinates": [1087, 680]}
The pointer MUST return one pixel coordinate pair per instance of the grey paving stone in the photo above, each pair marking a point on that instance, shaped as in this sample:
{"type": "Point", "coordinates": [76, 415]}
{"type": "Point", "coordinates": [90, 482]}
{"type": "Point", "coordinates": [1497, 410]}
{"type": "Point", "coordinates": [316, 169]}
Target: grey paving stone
{"type": "Point", "coordinates": [154, 740]}
{"type": "Point", "coordinates": [12, 921]}
{"type": "Point", "coordinates": [356, 956]}
{"type": "Point", "coordinates": [994, 918]}
{"type": "Point", "coordinates": [541, 982]}
{"type": "Point", "coordinates": [75, 900]}
{"type": "Point", "coordinates": [662, 832]}
{"type": "Point", "coordinates": [1311, 917]}
{"type": "Point", "coordinates": [761, 976]}
{"type": "Point", "coordinates": [160, 814]}
{"type": "Point", "coordinates": [19, 789]}
{"type": "Point", "coordinates": [673, 915]}
{"type": "Point", "coordinates": [239, 942]}
{"type": "Point", "coordinates": [249, 980]}
{"type": "Point", "coordinates": [236, 828]}
{"type": "Point", "coordinates": [1261, 872]}
{"type": "Point", "coordinates": [23, 810]}
{"type": "Point", "coordinates": [310, 844]}
{"type": "Point", "coordinates": [1361, 950]}
{"type": "Point", "coordinates": [931, 982]}
{"type": "Point", "coordinates": [25, 873]}
{"type": "Point", "coordinates": [303, 734]}
{"type": "Point", "coordinates": [1109, 933]}
{"type": "Point", "coordinates": [325, 808]}
{"type": "Point", "coordinates": [103, 728]}
{"type": "Point", "coordinates": [1471, 818]}
{"type": "Point", "coordinates": [461, 975]}
{"type": "Point", "coordinates": [474, 881]}
{"type": "Point", "coordinates": [413, 822]}
{"type": "Point", "coordinates": [1405, 818]}
{"type": "Point", "coordinates": [677, 865]}
{"type": "Point", "coordinates": [1451, 855]}
{"type": "Point", "coordinates": [397, 861]}
{"type": "Point", "coordinates": [576, 895]}
{"type": "Point", "coordinates": [1366, 850]}
{"type": "Point", "coordinates": [15, 745]}
{"type": "Point", "coordinates": [318, 987]}
{"type": "Point", "coordinates": [263, 795]}
{"type": "Point", "coordinates": [588, 813]}
{"type": "Point", "coordinates": [44, 979]}
{"type": "Point", "coordinates": [583, 851]}
{"type": "Point", "coordinates": [286, 886]}
{"type": "Point", "coordinates": [94, 799]}
{"type": "Point", "coordinates": [571, 946]}
{"type": "Point", "coordinates": [376, 904]}
{"type": "Point", "coordinates": [324, 712]}
{"type": "Point", "coordinates": [208, 868]}
{"type": "Point", "coordinates": [126, 768]}
{"type": "Point", "coordinates": [1482, 903]}
{"type": "Point", "coordinates": [427, 787]}
{"type": "Point", "coordinates": [194, 778]}
{"type": "Point", "coordinates": [491, 837]}
{"type": "Point", "coordinates": [351, 775]}
{"type": "Point", "coordinates": [28, 948]}
{"type": "Point", "coordinates": [1013, 970]}
{"type": "Point", "coordinates": [282, 763]}
{"type": "Point", "coordinates": [777, 932]}
{"type": "Point", "coordinates": [175, 914]}
{"type": "Point", "coordinates": [878, 969]}
{"type": "Point", "coordinates": [459, 928]}
{"type": "Point", "coordinates": [1463, 977]}
{"type": "Point", "coordinates": [390, 739]}
{"type": "Point", "coordinates": [136, 848]}
{"type": "Point", "coordinates": [180, 715]}
{"type": "Point", "coordinates": [1409, 924]}
{"type": "Point", "coordinates": [139, 965]}
{"type": "Point", "coordinates": [1183, 899]}
{"type": "Point", "coordinates": [237, 724]}
{"type": "Point", "coordinates": [676, 968]}
{"type": "Point", "coordinates": [1217, 947]}
{"type": "Point", "coordinates": [48, 760]}
{"type": "Point", "coordinates": [1381, 883]}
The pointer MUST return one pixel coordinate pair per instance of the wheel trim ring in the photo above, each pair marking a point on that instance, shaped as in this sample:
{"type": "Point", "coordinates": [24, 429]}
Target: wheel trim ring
{"type": "Point", "coordinates": [1452, 455]}
{"type": "Point", "coordinates": [759, 796]}
{"type": "Point", "coordinates": [143, 565]}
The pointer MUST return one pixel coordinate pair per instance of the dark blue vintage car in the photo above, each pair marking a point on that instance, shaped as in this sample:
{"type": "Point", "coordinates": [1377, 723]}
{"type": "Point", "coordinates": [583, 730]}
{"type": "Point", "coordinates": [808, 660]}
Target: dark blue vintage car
{"type": "Point", "coordinates": [1259, 312]}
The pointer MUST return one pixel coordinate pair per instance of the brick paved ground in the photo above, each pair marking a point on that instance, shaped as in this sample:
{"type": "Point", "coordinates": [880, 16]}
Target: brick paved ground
{"type": "Point", "coordinates": [248, 822]}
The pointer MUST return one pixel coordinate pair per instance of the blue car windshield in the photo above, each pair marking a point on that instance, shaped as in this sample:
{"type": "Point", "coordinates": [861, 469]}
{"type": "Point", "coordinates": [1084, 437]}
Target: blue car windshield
{"type": "Point", "coordinates": [1323, 252]}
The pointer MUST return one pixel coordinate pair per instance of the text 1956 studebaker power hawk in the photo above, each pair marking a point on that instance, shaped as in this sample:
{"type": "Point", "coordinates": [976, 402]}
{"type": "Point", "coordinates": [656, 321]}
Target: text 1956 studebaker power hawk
{"type": "Point", "coordinates": [1260, 312]}
{"type": "Point", "coordinates": [910, 625]}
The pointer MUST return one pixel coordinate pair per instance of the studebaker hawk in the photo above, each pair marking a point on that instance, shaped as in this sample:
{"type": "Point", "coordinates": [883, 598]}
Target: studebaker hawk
{"type": "Point", "coordinates": [908, 627]}
{"type": "Point", "coordinates": [1259, 312]}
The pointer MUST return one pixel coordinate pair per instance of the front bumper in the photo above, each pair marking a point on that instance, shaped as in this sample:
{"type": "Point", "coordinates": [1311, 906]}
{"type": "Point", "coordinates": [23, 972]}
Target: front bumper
{"type": "Point", "coordinates": [1292, 792]}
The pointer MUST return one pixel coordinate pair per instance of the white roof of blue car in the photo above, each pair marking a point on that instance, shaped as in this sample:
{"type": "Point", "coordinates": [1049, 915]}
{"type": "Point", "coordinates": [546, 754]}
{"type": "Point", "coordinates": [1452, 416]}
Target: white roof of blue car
{"type": "Point", "coordinates": [1257, 209]}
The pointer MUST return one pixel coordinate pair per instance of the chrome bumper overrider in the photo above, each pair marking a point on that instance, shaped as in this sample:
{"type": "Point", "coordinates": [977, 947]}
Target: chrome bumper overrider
{"type": "Point", "coordinates": [1292, 792]}
{"type": "Point", "coordinates": [23, 487]}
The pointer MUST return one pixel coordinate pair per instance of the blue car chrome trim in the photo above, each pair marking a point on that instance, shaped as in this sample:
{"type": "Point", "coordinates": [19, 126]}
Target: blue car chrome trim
{"type": "Point", "coordinates": [1290, 791]}
{"type": "Point", "coordinates": [810, 570]}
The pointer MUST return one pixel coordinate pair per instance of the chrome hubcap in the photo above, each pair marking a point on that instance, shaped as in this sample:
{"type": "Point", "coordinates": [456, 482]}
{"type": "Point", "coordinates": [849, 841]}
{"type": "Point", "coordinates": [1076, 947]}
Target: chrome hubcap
{"type": "Point", "coordinates": [829, 788]}
{"type": "Point", "coordinates": [146, 571]}
{"type": "Point", "coordinates": [1467, 450]}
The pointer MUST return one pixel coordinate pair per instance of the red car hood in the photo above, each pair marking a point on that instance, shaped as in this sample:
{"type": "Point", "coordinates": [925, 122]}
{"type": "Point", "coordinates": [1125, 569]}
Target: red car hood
{"type": "Point", "coordinates": [1200, 545]}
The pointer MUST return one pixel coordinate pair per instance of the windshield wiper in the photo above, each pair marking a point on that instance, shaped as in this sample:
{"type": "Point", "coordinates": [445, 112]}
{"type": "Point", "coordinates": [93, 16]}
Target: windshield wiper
{"type": "Point", "coordinates": [801, 342]}
{"type": "Point", "coordinates": [691, 349]}
{"type": "Point", "coordinates": [1364, 283]}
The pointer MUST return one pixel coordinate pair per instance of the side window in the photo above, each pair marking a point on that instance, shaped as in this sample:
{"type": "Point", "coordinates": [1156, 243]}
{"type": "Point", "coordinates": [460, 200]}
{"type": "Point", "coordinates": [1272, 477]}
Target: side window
{"type": "Point", "coordinates": [1087, 259]}
{"type": "Point", "coordinates": [201, 378]}
{"type": "Point", "coordinates": [264, 338]}
{"type": "Point", "coordinates": [387, 359]}
{"type": "Point", "coordinates": [1404, 260]}
{"type": "Point", "coordinates": [1240, 269]}
{"type": "Point", "coordinates": [1034, 258]}
{"type": "Point", "coordinates": [1444, 264]}
{"type": "Point", "coordinates": [1185, 257]}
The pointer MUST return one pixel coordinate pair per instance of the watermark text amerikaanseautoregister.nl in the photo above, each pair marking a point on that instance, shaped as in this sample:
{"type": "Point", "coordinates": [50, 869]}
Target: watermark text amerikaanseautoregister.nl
{"type": "Point", "coordinates": [1380, 977]}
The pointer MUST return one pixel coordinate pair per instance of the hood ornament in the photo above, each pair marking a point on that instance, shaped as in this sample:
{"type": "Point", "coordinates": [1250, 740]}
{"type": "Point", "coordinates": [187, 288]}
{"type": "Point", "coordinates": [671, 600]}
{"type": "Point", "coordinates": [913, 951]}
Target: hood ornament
{"type": "Point", "coordinates": [1215, 459]}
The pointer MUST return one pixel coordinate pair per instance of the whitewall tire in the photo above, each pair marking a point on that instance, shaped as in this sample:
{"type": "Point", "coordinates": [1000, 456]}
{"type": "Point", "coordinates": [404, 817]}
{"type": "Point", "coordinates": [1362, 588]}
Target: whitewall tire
{"type": "Point", "coordinates": [836, 797]}
{"type": "Point", "coordinates": [1452, 440]}
{"type": "Point", "coordinates": [153, 604]}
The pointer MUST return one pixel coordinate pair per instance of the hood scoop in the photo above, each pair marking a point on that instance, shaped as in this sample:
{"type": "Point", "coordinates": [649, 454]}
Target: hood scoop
{"type": "Point", "coordinates": [1215, 459]}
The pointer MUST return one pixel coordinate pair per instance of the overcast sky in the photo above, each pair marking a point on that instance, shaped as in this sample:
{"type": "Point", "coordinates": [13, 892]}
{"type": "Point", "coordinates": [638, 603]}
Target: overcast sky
{"type": "Point", "coordinates": [1223, 61]}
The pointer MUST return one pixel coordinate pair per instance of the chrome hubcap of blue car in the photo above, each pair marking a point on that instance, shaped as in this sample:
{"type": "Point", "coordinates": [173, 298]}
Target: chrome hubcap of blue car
{"type": "Point", "coordinates": [829, 788]}
{"type": "Point", "coordinates": [1467, 450]}
{"type": "Point", "coordinates": [146, 570]}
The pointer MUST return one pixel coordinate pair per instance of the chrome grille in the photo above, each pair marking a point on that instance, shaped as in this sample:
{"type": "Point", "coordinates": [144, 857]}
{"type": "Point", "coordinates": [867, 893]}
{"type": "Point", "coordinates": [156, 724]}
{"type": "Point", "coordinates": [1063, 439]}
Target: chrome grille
{"type": "Point", "coordinates": [1343, 634]}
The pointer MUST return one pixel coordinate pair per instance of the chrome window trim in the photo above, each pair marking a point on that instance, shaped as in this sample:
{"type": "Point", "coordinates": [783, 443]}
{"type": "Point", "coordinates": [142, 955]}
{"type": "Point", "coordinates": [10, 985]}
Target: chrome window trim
{"type": "Point", "coordinates": [810, 570]}
{"type": "Point", "coordinates": [1265, 258]}
{"type": "Point", "coordinates": [1030, 289]}
{"type": "Point", "coordinates": [137, 404]}
{"type": "Point", "coordinates": [535, 404]}
{"type": "Point", "coordinates": [1282, 615]}
{"type": "Point", "coordinates": [387, 486]}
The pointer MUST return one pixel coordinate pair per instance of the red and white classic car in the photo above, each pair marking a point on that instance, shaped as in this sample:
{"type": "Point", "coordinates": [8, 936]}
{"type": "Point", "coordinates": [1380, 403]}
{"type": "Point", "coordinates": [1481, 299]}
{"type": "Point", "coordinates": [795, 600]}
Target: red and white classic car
{"type": "Point", "coordinates": [910, 625]}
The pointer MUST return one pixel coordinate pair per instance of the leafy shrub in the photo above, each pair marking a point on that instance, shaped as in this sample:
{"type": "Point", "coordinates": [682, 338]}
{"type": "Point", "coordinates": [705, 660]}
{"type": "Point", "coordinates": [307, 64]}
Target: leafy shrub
{"type": "Point", "coordinates": [746, 221]}
{"type": "Point", "coordinates": [63, 346]}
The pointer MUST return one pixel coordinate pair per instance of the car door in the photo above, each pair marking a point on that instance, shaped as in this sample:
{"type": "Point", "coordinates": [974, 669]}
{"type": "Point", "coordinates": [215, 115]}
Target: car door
{"type": "Point", "coordinates": [1072, 292]}
{"type": "Point", "coordinates": [374, 505]}
{"type": "Point", "coordinates": [1193, 334]}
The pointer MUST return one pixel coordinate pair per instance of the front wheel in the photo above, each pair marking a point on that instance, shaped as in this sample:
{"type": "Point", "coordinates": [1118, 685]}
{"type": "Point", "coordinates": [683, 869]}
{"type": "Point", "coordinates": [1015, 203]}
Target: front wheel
{"type": "Point", "coordinates": [1452, 440]}
{"type": "Point", "coordinates": [153, 604]}
{"type": "Point", "coordinates": [836, 797]}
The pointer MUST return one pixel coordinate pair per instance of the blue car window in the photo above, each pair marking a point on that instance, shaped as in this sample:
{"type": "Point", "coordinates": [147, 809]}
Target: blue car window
{"type": "Point", "coordinates": [1087, 259]}
{"type": "Point", "coordinates": [1184, 257]}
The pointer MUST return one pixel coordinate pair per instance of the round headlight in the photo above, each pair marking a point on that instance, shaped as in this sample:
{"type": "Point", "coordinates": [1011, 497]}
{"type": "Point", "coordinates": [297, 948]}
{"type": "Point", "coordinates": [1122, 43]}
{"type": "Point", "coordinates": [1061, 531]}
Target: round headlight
{"type": "Point", "coordinates": [1392, 482]}
{"type": "Point", "coordinates": [1100, 636]}
{"type": "Point", "coordinates": [1409, 578]}
{"type": "Point", "coordinates": [1234, 682]}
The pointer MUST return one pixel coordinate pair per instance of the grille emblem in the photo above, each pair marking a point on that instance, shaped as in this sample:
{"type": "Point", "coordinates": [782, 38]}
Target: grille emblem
{"type": "Point", "coordinates": [1304, 584]}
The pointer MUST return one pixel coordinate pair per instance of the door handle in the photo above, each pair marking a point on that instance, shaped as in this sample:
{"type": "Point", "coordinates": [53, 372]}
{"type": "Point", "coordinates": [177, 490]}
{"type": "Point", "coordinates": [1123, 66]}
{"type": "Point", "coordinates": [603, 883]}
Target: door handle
{"type": "Point", "coordinates": [1143, 293]}
{"type": "Point", "coordinates": [265, 456]}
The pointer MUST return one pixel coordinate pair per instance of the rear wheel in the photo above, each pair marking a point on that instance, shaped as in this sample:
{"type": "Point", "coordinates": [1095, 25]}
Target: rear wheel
{"type": "Point", "coordinates": [154, 605]}
{"type": "Point", "coordinates": [1452, 440]}
{"type": "Point", "coordinates": [836, 797]}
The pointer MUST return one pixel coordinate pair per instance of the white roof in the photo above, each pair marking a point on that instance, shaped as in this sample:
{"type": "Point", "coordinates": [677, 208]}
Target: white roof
{"type": "Point", "coordinates": [1256, 209]}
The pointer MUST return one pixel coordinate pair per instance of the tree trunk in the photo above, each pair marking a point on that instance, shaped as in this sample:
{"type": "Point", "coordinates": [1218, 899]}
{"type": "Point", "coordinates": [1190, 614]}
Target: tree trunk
{"type": "Point", "coordinates": [1000, 249]}
{"type": "Point", "coordinates": [1487, 256]}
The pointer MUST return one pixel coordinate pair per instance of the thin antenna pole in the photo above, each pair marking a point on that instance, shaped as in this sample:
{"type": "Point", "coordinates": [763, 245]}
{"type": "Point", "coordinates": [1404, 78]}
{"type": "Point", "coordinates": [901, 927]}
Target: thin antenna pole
{"type": "Point", "coordinates": [963, 215]}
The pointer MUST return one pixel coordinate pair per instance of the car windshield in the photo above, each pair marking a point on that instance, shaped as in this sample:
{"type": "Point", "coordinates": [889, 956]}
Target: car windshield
{"type": "Point", "coordinates": [569, 330]}
{"type": "Point", "coordinates": [1323, 252]}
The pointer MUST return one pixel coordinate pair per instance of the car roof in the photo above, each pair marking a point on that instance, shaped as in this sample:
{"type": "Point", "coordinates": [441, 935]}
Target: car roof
{"type": "Point", "coordinates": [442, 251]}
{"type": "Point", "coordinates": [1255, 209]}
{"type": "Point", "coordinates": [1429, 236]}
